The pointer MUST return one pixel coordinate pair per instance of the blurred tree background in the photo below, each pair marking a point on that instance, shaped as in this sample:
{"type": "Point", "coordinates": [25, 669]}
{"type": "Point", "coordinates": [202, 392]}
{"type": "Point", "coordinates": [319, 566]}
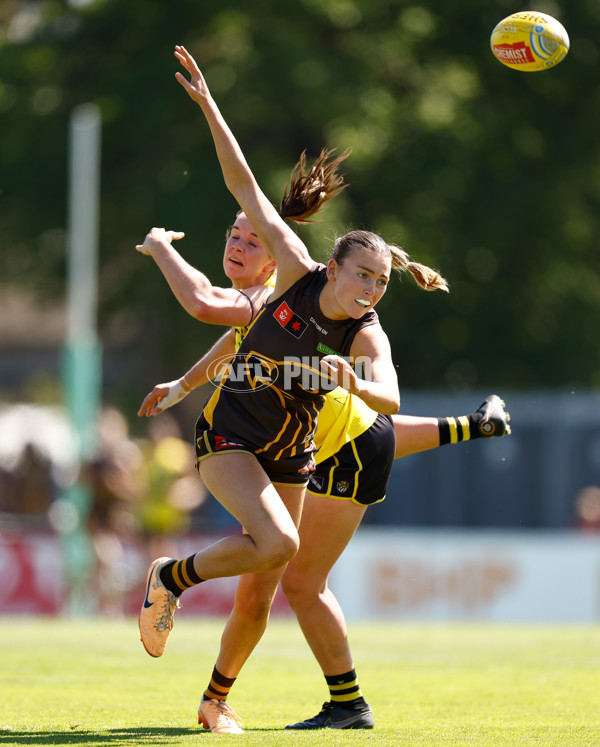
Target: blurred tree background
{"type": "Point", "coordinates": [488, 174]}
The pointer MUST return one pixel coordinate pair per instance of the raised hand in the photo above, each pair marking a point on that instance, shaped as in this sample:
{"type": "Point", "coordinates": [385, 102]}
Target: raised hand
{"type": "Point", "coordinates": [158, 237]}
{"type": "Point", "coordinates": [196, 86]}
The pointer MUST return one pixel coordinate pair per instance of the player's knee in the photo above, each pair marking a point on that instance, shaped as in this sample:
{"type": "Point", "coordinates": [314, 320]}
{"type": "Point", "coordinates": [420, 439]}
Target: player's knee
{"type": "Point", "coordinates": [255, 603]}
{"type": "Point", "coordinates": [299, 589]}
{"type": "Point", "coordinates": [282, 550]}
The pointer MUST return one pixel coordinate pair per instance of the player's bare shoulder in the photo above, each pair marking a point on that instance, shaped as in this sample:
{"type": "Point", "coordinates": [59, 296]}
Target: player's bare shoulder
{"type": "Point", "coordinates": [258, 294]}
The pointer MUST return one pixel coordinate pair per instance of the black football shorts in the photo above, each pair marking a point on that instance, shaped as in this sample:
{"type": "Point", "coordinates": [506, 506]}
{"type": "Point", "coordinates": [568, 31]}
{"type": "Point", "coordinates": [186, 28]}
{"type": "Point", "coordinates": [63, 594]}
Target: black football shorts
{"type": "Point", "coordinates": [360, 470]}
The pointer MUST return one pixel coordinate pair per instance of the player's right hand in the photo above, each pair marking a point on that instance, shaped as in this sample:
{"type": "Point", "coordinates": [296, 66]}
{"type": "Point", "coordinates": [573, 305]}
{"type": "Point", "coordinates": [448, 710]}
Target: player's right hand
{"type": "Point", "coordinates": [157, 237]}
{"type": "Point", "coordinates": [162, 397]}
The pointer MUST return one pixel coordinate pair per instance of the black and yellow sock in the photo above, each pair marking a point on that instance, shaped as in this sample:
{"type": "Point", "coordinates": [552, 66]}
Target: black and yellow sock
{"type": "Point", "coordinates": [455, 430]}
{"type": "Point", "coordinates": [180, 575]}
{"type": "Point", "coordinates": [219, 686]}
{"type": "Point", "coordinates": [345, 692]}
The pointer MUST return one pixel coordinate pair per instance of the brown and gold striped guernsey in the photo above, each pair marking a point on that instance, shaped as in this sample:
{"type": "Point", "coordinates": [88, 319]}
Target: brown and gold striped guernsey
{"type": "Point", "coordinates": [270, 396]}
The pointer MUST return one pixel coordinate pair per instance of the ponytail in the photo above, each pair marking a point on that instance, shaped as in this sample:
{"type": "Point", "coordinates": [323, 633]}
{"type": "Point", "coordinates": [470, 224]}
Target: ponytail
{"type": "Point", "coordinates": [424, 276]}
{"type": "Point", "coordinates": [309, 190]}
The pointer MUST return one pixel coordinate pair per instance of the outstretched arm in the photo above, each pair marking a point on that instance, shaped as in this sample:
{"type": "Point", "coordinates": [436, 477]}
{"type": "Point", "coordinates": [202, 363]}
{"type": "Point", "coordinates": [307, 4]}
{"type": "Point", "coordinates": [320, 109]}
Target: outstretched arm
{"type": "Point", "coordinates": [167, 395]}
{"type": "Point", "coordinates": [280, 241]}
{"type": "Point", "coordinates": [194, 291]}
{"type": "Point", "coordinates": [213, 362]}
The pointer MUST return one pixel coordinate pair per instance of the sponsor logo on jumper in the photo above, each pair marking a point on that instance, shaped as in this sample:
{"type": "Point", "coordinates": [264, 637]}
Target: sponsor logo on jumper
{"type": "Point", "coordinates": [324, 349]}
{"type": "Point", "coordinates": [322, 330]}
{"type": "Point", "coordinates": [291, 322]}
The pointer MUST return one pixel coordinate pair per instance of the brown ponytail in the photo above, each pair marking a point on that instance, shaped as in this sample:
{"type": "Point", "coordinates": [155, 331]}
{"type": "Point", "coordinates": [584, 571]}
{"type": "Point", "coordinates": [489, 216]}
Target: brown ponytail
{"type": "Point", "coordinates": [309, 190]}
{"type": "Point", "coordinates": [424, 276]}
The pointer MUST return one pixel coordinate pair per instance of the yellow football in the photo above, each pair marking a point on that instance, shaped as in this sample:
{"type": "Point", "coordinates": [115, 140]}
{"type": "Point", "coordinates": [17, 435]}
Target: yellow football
{"type": "Point", "coordinates": [530, 41]}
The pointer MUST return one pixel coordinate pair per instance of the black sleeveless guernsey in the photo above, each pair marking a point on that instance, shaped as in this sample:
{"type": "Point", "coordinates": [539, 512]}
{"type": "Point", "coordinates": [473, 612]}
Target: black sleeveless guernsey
{"type": "Point", "coordinates": [270, 396]}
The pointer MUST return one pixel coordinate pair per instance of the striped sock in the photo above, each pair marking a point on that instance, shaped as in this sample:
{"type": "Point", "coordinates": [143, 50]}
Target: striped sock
{"type": "Point", "coordinates": [455, 430]}
{"type": "Point", "coordinates": [345, 692]}
{"type": "Point", "coordinates": [218, 687]}
{"type": "Point", "coordinates": [180, 575]}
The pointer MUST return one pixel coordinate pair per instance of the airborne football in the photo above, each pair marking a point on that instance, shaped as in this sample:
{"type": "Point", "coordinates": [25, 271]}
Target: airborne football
{"type": "Point", "coordinates": [530, 41]}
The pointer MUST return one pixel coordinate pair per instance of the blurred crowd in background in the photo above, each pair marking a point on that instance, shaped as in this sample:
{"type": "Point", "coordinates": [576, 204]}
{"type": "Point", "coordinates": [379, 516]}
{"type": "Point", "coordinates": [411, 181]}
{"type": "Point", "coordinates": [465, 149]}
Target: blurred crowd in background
{"type": "Point", "coordinates": [147, 486]}
{"type": "Point", "coordinates": [145, 499]}
{"type": "Point", "coordinates": [144, 493]}
{"type": "Point", "coordinates": [141, 489]}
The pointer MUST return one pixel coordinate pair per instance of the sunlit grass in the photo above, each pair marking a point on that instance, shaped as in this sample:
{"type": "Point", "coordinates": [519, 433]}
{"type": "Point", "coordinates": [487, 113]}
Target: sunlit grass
{"type": "Point", "coordinates": [91, 683]}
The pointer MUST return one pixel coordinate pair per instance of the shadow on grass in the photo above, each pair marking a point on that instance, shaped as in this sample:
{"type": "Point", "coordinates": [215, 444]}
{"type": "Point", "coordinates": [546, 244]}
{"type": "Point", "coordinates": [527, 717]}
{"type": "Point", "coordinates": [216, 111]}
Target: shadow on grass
{"type": "Point", "coordinates": [139, 735]}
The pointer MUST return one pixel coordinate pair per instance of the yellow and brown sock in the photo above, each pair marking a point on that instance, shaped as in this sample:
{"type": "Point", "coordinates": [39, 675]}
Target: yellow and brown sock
{"type": "Point", "coordinates": [344, 691]}
{"type": "Point", "coordinates": [180, 575]}
{"type": "Point", "coordinates": [218, 687]}
{"type": "Point", "coordinates": [455, 430]}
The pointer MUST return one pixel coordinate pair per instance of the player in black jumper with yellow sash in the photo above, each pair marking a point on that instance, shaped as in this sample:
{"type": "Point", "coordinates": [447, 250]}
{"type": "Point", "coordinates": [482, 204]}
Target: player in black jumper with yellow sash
{"type": "Point", "coordinates": [288, 338]}
{"type": "Point", "coordinates": [346, 290]}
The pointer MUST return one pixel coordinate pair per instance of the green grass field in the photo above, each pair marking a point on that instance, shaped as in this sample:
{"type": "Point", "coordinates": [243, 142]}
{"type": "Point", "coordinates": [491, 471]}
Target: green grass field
{"type": "Point", "coordinates": [91, 683]}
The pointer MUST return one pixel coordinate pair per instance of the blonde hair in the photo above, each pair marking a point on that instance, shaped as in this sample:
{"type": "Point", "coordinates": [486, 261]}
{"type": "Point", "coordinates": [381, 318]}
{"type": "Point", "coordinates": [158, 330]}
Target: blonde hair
{"type": "Point", "coordinates": [424, 276]}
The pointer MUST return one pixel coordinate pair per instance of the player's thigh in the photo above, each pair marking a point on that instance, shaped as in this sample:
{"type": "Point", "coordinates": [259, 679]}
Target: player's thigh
{"type": "Point", "coordinates": [326, 527]}
{"type": "Point", "coordinates": [292, 497]}
{"type": "Point", "coordinates": [243, 488]}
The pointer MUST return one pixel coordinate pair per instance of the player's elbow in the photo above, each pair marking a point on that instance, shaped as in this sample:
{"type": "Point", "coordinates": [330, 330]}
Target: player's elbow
{"type": "Point", "coordinates": [204, 309]}
{"type": "Point", "coordinates": [382, 400]}
{"type": "Point", "coordinates": [388, 402]}
{"type": "Point", "coordinates": [390, 407]}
